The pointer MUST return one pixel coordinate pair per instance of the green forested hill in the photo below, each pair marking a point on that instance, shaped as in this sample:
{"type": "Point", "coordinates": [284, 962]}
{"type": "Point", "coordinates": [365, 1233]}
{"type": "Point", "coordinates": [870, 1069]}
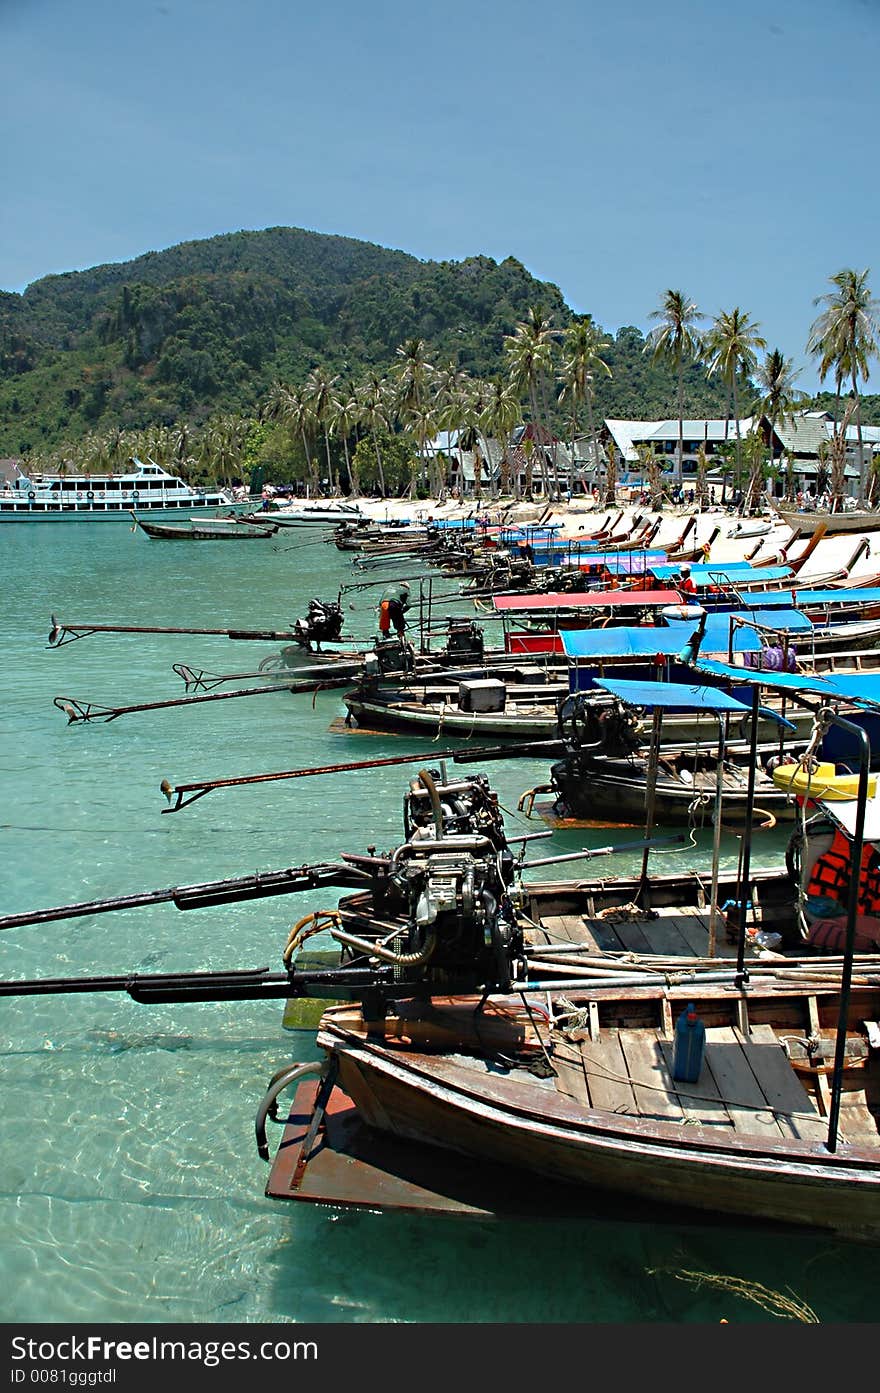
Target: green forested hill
{"type": "Point", "coordinates": [206, 328]}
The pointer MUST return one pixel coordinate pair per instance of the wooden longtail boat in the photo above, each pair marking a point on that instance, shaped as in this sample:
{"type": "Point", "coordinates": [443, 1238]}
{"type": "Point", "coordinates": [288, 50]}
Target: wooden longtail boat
{"type": "Point", "coordinates": [493, 1018]}
{"type": "Point", "coordinates": [570, 1068]}
{"type": "Point", "coordinates": [746, 1138]}
{"type": "Point", "coordinates": [207, 530]}
{"type": "Point", "coordinates": [859, 520]}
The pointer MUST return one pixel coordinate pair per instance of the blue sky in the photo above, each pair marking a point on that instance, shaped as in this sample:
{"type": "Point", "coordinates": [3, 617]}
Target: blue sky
{"type": "Point", "coordinates": [617, 150]}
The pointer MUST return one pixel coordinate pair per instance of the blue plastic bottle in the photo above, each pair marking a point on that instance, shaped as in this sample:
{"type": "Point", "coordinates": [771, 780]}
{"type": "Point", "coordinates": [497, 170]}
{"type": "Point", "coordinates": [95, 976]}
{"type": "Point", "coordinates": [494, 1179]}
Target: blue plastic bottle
{"type": "Point", "coordinates": [690, 1045]}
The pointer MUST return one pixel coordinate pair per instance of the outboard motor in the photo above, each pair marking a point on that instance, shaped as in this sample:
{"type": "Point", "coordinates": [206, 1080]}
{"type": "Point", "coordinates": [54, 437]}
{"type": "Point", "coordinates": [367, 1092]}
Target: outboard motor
{"type": "Point", "coordinates": [390, 656]}
{"type": "Point", "coordinates": [441, 914]}
{"type": "Point", "coordinates": [599, 725]}
{"type": "Point", "coordinates": [322, 624]}
{"type": "Point", "coordinates": [454, 872]}
{"type": "Point", "coordinates": [464, 639]}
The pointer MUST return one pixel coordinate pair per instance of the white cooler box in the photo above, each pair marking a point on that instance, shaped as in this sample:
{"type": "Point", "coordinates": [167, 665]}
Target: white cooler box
{"type": "Point", "coordinates": [483, 694]}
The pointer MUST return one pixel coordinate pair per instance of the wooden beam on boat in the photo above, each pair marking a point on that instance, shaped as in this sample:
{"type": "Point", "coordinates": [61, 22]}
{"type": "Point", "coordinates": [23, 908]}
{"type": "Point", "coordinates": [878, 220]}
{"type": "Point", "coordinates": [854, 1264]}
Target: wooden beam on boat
{"type": "Point", "coordinates": [262, 885]}
{"type": "Point", "coordinates": [61, 633]}
{"type": "Point", "coordinates": [184, 794]}
{"type": "Point", "coordinates": [92, 711]}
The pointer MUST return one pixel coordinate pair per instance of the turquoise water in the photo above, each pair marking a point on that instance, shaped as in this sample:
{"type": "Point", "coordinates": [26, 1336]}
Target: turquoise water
{"type": "Point", "coordinates": [131, 1187]}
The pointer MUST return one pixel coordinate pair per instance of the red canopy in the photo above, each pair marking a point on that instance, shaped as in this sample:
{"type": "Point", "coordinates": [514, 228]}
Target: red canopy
{"type": "Point", "coordinates": [589, 599]}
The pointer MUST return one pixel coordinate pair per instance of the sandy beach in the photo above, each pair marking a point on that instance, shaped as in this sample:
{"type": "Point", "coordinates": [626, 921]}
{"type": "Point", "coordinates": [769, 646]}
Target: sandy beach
{"type": "Point", "coordinates": [714, 525]}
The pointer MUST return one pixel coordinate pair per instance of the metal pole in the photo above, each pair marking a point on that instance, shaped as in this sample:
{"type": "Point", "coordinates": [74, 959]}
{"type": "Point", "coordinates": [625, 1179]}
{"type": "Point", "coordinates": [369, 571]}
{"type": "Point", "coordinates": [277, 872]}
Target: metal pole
{"type": "Point", "coordinates": [742, 973]}
{"type": "Point", "coordinates": [716, 839]}
{"type": "Point", "coordinates": [851, 912]}
{"type": "Point", "coordinates": [651, 793]}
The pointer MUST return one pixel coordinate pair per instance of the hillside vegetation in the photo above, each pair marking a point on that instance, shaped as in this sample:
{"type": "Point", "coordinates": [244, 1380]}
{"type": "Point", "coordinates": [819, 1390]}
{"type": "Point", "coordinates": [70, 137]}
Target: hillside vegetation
{"type": "Point", "coordinates": [206, 329]}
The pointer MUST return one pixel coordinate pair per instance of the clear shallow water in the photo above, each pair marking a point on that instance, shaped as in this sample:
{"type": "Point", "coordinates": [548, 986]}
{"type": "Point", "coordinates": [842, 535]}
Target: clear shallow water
{"type": "Point", "coordinates": [130, 1185]}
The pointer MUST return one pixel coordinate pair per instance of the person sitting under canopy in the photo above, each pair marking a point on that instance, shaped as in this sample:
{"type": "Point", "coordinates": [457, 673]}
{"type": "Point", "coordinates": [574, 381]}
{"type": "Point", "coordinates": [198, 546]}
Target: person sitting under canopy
{"type": "Point", "coordinates": [827, 897]}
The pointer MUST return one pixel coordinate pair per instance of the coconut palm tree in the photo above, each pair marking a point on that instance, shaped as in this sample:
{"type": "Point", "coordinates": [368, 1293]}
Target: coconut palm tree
{"type": "Point", "coordinates": [414, 375]}
{"type": "Point", "coordinates": [529, 351]}
{"type": "Point", "coordinates": [652, 472]}
{"type": "Point", "coordinates": [374, 415]}
{"type": "Point", "coordinates": [225, 437]}
{"type": "Point", "coordinates": [499, 416]}
{"type": "Point", "coordinates": [319, 399]}
{"type": "Point", "coordinates": [452, 390]}
{"type": "Point", "coordinates": [582, 348]}
{"type": "Point", "coordinates": [779, 397]}
{"type": "Point", "coordinates": [289, 406]}
{"type": "Point", "coordinates": [844, 336]}
{"type": "Point", "coordinates": [837, 456]}
{"type": "Point", "coordinates": [676, 340]}
{"type": "Point", "coordinates": [611, 475]}
{"type": "Point", "coordinates": [731, 348]}
{"type": "Point", "coordinates": [756, 461]}
{"type": "Point", "coordinates": [343, 422]}
{"type": "Point", "coordinates": [702, 490]}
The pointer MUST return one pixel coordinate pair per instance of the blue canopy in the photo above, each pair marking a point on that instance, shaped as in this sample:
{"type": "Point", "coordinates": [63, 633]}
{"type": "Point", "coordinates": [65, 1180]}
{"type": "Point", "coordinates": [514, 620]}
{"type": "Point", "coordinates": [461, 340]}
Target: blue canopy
{"type": "Point", "coordinates": [673, 696]}
{"type": "Point", "coordinates": [860, 688]}
{"type": "Point", "coordinates": [645, 642]}
{"type": "Point", "coordinates": [768, 599]}
{"type": "Point", "coordinates": [716, 573]}
{"type": "Point", "coordinates": [786, 621]}
{"type": "Point", "coordinates": [857, 595]}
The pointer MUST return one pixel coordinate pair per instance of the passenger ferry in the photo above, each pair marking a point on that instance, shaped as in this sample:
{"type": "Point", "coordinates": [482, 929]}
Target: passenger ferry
{"type": "Point", "coordinates": [147, 488]}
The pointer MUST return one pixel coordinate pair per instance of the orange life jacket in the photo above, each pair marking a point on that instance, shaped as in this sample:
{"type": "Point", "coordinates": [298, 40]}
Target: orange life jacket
{"type": "Point", "coordinates": [830, 876]}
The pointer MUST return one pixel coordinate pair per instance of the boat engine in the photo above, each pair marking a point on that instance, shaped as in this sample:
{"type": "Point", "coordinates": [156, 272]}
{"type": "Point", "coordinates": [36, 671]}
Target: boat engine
{"type": "Point", "coordinates": [390, 655]}
{"type": "Point", "coordinates": [322, 624]}
{"type": "Point", "coordinates": [448, 888]}
{"type": "Point", "coordinates": [597, 724]}
{"type": "Point", "coordinates": [464, 639]}
{"type": "Point", "coordinates": [455, 871]}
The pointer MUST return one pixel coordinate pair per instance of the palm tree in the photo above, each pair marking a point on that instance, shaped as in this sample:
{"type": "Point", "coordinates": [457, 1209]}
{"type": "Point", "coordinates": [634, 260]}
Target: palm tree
{"type": "Point", "coordinates": [611, 475]}
{"type": "Point", "coordinates": [414, 374]}
{"type": "Point", "coordinates": [320, 401]}
{"type": "Point", "coordinates": [652, 472]}
{"type": "Point", "coordinates": [499, 417]}
{"type": "Point", "coordinates": [677, 341]}
{"type": "Point", "coordinates": [452, 394]}
{"type": "Point", "coordinates": [702, 490]}
{"type": "Point", "coordinates": [844, 337]}
{"type": "Point", "coordinates": [224, 437]}
{"type": "Point", "coordinates": [286, 404]}
{"type": "Point", "coordinates": [837, 456]}
{"type": "Point", "coordinates": [779, 396]}
{"type": "Point", "coordinates": [582, 348]}
{"type": "Point", "coordinates": [343, 422]}
{"type": "Point", "coordinates": [731, 349]}
{"type": "Point", "coordinates": [530, 354]}
{"type": "Point", "coordinates": [753, 448]}
{"type": "Point", "coordinates": [373, 415]}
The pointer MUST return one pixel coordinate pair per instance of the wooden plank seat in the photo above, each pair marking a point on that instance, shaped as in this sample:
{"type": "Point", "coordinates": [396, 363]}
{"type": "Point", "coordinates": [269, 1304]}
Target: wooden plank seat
{"type": "Point", "coordinates": [746, 1084]}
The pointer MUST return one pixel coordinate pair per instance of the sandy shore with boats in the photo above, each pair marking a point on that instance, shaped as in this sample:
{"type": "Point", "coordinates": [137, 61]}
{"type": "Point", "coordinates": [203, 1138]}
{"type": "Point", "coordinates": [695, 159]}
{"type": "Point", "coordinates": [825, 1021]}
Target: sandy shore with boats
{"type": "Point", "coordinates": [714, 525]}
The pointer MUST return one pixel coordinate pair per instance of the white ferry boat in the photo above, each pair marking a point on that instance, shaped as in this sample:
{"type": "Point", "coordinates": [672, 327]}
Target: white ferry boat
{"type": "Point", "coordinates": [147, 488]}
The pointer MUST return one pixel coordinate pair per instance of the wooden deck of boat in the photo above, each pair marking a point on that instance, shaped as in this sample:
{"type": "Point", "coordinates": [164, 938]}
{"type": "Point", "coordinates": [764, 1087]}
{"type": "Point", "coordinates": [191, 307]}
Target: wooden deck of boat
{"type": "Point", "coordinates": [678, 931]}
{"type": "Point", "coordinates": [746, 1086]}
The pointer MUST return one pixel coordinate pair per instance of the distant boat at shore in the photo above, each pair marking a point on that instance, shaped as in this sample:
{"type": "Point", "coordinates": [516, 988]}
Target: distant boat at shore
{"type": "Point", "coordinates": [145, 488]}
{"type": "Point", "coordinates": [805, 522]}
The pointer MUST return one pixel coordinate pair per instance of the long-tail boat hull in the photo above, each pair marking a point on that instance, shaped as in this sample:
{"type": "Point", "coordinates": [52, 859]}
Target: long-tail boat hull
{"type": "Point", "coordinates": [610, 1115]}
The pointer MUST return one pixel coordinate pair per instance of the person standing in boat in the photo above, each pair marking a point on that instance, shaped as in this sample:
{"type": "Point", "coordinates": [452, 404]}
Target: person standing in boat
{"type": "Point", "coordinates": [685, 582]}
{"type": "Point", "coordinates": [392, 608]}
